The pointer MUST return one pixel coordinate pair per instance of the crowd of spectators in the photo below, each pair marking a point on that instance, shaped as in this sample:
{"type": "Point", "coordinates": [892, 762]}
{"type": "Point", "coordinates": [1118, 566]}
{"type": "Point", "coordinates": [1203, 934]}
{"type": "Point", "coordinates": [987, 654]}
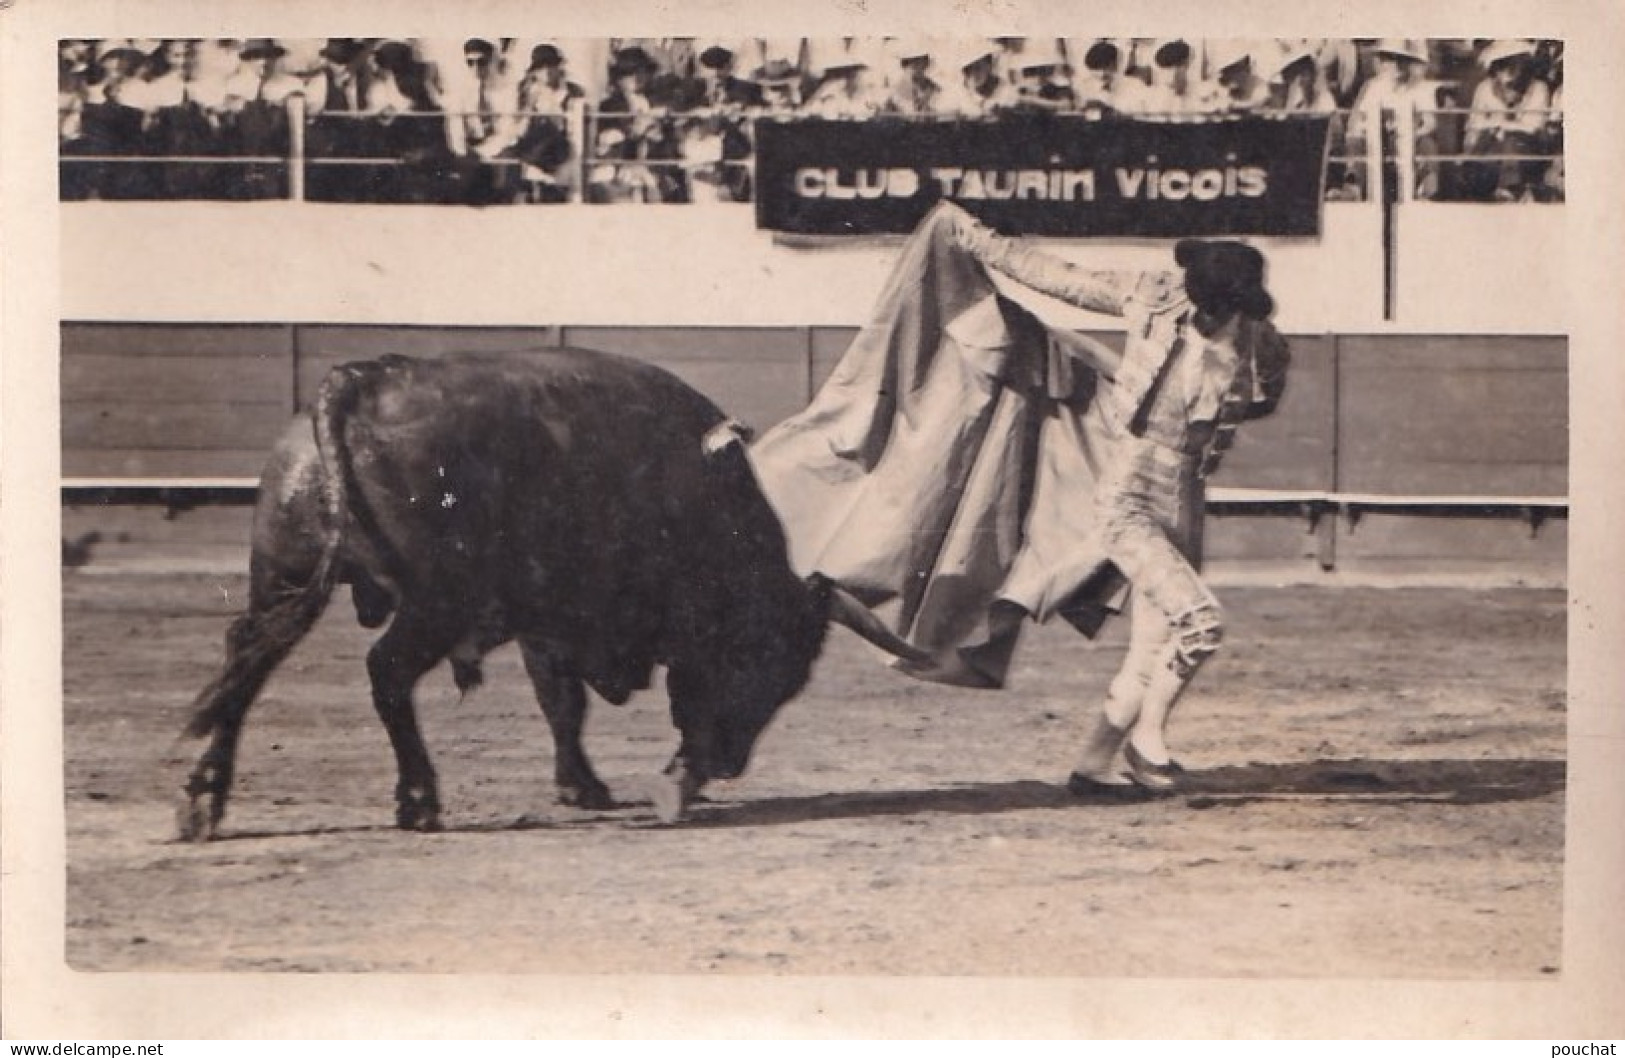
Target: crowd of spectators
{"type": "Point", "coordinates": [498, 119]}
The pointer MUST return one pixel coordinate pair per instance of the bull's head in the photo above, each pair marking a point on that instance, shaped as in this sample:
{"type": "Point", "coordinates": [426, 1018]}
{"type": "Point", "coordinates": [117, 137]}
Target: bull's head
{"type": "Point", "coordinates": [766, 627]}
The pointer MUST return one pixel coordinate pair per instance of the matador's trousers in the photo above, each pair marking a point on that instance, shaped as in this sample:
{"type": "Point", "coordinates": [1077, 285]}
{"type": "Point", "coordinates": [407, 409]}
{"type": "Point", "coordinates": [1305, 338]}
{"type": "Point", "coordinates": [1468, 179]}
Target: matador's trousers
{"type": "Point", "coordinates": [1149, 503]}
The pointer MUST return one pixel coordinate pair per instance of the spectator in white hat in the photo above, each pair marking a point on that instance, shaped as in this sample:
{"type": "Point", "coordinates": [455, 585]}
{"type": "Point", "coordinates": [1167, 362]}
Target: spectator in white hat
{"type": "Point", "coordinates": [1399, 83]}
{"type": "Point", "coordinates": [1298, 86]}
{"type": "Point", "coordinates": [215, 64]}
{"type": "Point", "coordinates": [914, 90]}
{"type": "Point", "coordinates": [1236, 70]}
{"type": "Point", "coordinates": [1137, 56]}
{"type": "Point", "coordinates": [261, 77]}
{"type": "Point", "coordinates": [303, 58]}
{"type": "Point", "coordinates": [850, 82]}
{"type": "Point", "coordinates": [1009, 55]}
{"type": "Point", "coordinates": [160, 79]}
{"type": "Point", "coordinates": [1400, 86]}
{"type": "Point", "coordinates": [1507, 119]}
{"type": "Point", "coordinates": [1338, 59]}
{"type": "Point", "coordinates": [1296, 81]}
{"type": "Point", "coordinates": [175, 123]}
{"type": "Point", "coordinates": [1043, 76]}
{"type": "Point", "coordinates": [976, 89]}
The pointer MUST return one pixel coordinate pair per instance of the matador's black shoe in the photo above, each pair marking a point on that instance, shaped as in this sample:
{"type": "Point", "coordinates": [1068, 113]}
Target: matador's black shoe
{"type": "Point", "coordinates": [1163, 778]}
{"type": "Point", "coordinates": [1105, 791]}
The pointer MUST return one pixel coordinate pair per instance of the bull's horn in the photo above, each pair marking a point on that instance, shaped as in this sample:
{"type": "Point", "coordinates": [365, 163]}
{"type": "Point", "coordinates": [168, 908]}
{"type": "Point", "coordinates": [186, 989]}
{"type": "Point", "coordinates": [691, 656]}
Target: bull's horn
{"type": "Point", "coordinates": [845, 609]}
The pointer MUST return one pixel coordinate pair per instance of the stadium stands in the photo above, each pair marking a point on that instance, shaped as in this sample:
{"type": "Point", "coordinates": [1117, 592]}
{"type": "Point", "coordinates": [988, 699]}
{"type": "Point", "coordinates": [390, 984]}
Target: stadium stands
{"type": "Point", "coordinates": [501, 120]}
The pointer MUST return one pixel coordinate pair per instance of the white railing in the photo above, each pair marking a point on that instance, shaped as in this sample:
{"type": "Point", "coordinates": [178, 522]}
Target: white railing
{"type": "Point", "coordinates": [1350, 165]}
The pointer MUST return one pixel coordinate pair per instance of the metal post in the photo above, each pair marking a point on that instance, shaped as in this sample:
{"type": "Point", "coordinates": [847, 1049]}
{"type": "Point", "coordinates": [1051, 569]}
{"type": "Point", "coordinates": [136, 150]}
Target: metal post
{"type": "Point", "coordinates": [1405, 153]}
{"type": "Point", "coordinates": [1391, 181]}
{"type": "Point", "coordinates": [575, 125]}
{"type": "Point", "coordinates": [1326, 524]}
{"type": "Point", "coordinates": [296, 148]}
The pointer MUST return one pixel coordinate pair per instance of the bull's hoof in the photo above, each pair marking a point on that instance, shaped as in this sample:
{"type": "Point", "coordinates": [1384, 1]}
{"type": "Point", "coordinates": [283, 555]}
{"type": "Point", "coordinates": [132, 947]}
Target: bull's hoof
{"type": "Point", "coordinates": [419, 820]}
{"type": "Point", "coordinates": [422, 816]}
{"type": "Point", "coordinates": [672, 794]}
{"type": "Point", "coordinates": [595, 798]}
{"type": "Point", "coordinates": [197, 818]}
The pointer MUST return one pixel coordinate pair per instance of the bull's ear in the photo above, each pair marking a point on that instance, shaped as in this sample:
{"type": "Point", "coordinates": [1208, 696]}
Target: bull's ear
{"type": "Point", "coordinates": [729, 433]}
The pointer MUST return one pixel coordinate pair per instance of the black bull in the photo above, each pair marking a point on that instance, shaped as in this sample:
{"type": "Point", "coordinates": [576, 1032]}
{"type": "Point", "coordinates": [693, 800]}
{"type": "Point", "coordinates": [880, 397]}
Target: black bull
{"type": "Point", "coordinates": [593, 508]}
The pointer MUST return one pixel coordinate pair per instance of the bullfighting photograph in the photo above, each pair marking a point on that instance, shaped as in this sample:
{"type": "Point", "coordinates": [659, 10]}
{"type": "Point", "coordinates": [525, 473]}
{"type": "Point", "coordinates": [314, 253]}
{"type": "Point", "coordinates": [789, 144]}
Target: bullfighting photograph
{"type": "Point", "coordinates": [869, 519]}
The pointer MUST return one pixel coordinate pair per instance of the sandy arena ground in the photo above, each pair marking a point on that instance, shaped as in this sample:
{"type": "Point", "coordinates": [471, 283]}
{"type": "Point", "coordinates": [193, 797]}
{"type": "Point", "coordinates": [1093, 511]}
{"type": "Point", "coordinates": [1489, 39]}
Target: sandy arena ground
{"type": "Point", "coordinates": [1370, 797]}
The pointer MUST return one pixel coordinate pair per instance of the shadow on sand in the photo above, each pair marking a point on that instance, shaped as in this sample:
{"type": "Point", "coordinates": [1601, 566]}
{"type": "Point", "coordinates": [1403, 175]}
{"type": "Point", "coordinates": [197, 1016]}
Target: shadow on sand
{"type": "Point", "coordinates": [1453, 782]}
{"type": "Point", "coordinates": [1397, 782]}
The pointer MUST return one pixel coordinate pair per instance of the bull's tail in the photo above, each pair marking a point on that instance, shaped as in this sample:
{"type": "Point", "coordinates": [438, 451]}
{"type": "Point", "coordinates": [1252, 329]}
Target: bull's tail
{"type": "Point", "coordinates": [259, 640]}
{"type": "Point", "coordinates": [255, 644]}
{"type": "Point", "coordinates": [334, 402]}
